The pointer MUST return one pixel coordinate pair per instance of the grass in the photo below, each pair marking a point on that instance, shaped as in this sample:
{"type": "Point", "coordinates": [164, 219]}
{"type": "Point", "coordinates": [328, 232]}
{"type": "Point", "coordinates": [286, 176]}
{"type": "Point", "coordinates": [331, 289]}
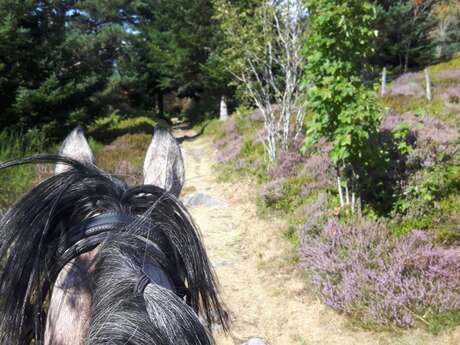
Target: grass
{"type": "Point", "coordinates": [439, 189]}
{"type": "Point", "coordinates": [125, 156]}
{"type": "Point", "coordinates": [451, 64]}
{"type": "Point", "coordinates": [107, 129]}
{"type": "Point", "coordinates": [15, 181]}
{"type": "Point", "coordinates": [440, 322]}
{"type": "Point", "coordinates": [436, 107]}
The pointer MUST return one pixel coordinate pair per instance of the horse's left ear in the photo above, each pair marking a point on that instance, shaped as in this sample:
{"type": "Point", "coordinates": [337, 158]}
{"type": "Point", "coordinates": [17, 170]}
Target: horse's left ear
{"type": "Point", "coordinates": [163, 164]}
{"type": "Point", "coordinates": [75, 146]}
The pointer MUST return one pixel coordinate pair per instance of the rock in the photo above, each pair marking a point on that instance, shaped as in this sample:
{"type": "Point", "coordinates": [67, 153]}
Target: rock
{"type": "Point", "coordinates": [221, 264]}
{"type": "Point", "coordinates": [255, 341]}
{"type": "Point", "coordinates": [203, 199]}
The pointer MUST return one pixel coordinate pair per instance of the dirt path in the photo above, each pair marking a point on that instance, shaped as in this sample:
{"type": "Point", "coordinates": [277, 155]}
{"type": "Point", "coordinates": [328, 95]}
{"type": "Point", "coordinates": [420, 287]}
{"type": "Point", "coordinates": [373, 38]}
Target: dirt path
{"type": "Point", "coordinates": [266, 294]}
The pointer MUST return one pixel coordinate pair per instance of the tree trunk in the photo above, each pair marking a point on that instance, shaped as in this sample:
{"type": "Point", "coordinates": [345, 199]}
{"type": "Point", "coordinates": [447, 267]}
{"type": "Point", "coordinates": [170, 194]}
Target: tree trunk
{"type": "Point", "coordinates": [223, 113]}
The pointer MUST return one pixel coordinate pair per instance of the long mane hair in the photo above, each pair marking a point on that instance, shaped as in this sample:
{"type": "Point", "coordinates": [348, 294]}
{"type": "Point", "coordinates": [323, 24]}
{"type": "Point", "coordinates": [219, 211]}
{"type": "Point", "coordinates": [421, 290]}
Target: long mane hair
{"type": "Point", "coordinates": [35, 244]}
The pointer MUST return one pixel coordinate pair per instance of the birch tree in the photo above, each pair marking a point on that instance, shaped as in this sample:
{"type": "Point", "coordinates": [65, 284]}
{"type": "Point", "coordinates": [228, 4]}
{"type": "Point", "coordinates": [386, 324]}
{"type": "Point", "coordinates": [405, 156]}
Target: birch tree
{"type": "Point", "coordinates": [263, 40]}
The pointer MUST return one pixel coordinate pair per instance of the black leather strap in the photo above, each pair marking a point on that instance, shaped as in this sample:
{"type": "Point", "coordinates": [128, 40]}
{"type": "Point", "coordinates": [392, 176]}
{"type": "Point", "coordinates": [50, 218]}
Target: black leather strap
{"type": "Point", "coordinates": [92, 229]}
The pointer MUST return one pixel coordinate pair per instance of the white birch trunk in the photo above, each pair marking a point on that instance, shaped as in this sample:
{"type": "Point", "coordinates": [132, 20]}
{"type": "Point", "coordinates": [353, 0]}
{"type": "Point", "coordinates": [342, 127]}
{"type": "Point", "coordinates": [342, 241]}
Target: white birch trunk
{"type": "Point", "coordinates": [272, 74]}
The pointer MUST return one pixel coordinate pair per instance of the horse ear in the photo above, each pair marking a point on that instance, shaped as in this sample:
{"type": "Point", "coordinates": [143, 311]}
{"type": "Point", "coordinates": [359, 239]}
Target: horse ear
{"type": "Point", "coordinates": [75, 146]}
{"type": "Point", "coordinates": [163, 164]}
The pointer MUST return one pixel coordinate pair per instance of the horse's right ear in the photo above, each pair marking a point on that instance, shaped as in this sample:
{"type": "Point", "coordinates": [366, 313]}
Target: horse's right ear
{"type": "Point", "coordinates": [75, 146]}
{"type": "Point", "coordinates": [163, 164]}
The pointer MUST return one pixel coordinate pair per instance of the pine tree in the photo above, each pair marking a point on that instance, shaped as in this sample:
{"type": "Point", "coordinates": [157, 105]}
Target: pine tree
{"type": "Point", "coordinates": [404, 38]}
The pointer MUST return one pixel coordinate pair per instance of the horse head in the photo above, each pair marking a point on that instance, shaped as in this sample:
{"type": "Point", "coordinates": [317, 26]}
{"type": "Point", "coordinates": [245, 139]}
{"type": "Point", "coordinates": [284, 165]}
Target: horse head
{"type": "Point", "coordinates": [85, 258]}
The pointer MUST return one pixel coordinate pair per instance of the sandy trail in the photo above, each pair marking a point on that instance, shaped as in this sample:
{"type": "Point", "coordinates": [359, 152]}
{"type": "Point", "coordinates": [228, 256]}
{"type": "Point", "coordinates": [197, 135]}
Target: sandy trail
{"type": "Point", "coordinates": [265, 294]}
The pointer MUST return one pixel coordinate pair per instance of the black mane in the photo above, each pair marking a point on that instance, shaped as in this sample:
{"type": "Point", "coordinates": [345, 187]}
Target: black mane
{"type": "Point", "coordinates": [34, 238]}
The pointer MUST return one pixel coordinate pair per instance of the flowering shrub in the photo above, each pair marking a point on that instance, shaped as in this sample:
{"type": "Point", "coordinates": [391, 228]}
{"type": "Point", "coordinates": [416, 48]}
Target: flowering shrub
{"type": "Point", "coordinates": [260, 135]}
{"type": "Point", "coordinates": [450, 74]}
{"type": "Point", "coordinates": [125, 156]}
{"type": "Point", "coordinates": [409, 77]}
{"type": "Point", "coordinates": [319, 165]}
{"type": "Point", "coordinates": [452, 94]}
{"type": "Point", "coordinates": [131, 174]}
{"type": "Point", "coordinates": [229, 147]}
{"type": "Point", "coordinates": [431, 139]}
{"type": "Point", "coordinates": [409, 89]}
{"type": "Point", "coordinates": [272, 192]}
{"type": "Point", "coordinates": [256, 116]}
{"type": "Point", "coordinates": [285, 164]}
{"type": "Point", "coordinates": [230, 150]}
{"type": "Point", "coordinates": [361, 270]}
{"type": "Point", "coordinates": [407, 85]}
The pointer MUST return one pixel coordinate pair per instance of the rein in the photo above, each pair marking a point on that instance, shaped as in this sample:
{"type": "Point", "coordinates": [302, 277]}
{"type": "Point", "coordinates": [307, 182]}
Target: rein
{"type": "Point", "coordinates": [89, 233]}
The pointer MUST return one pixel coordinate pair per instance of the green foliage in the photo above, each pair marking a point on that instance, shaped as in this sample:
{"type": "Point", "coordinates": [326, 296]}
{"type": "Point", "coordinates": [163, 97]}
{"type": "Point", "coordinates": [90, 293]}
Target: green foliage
{"type": "Point", "coordinates": [343, 110]}
{"type": "Point", "coordinates": [244, 36]}
{"type": "Point", "coordinates": [447, 32]}
{"type": "Point", "coordinates": [15, 181]}
{"type": "Point", "coordinates": [110, 127]}
{"type": "Point", "coordinates": [429, 202]}
{"type": "Point", "coordinates": [405, 38]}
{"type": "Point", "coordinates": [56, 58]}
{"type": "Point", "coordinates": [400, 134]}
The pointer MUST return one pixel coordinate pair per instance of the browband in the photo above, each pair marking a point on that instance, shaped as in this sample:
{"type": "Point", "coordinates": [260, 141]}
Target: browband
{"type": "Point", "coordinates": [98, 224]}
{"type": "Point", "coordinates": [94, 226]}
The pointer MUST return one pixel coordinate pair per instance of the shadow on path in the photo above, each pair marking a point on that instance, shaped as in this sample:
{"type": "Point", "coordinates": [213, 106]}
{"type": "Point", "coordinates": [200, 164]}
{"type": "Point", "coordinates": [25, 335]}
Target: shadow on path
{"type": "Point", "coordinates": [190, 137]}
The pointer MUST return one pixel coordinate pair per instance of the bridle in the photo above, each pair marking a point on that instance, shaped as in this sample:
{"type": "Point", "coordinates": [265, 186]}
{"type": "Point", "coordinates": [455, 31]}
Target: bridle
{"type": "Point", "coordinates": [91, 232]}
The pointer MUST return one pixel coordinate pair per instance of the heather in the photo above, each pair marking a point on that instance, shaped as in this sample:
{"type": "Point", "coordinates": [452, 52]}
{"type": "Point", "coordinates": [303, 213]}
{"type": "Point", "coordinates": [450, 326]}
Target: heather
{"type": "Point", "coordinates": [393, 261]}
{"type": "Point", "coordinates": [125, 156]}
{"type": "Point", "coordinates": [450, 74]}
{"type": "Point", "coordinates": [407, 85]}
{"type": "Point", "coordinates": [423, 173]}
{"type": "Point", "coordinates": [401, 270]}
{"type": "Point", "coordinates": [452, 94]}
{"type": "Point", "coordinates": [361, 270]}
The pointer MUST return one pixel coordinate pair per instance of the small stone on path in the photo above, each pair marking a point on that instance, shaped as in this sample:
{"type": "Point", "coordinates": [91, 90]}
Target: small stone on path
{"type": "Point", "coordinates": [255, 341]}
{"type": "Point", "coordinates": [203, 199]}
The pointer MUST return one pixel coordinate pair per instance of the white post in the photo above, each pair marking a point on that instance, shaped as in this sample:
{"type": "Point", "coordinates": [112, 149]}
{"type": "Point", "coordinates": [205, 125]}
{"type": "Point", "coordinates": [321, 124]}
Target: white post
{"type": "Point", "coordinates": [339, 187]}
{"type": "Point", "coordinates": [383, 90]}
{"type": "Point", "coordinates": [428, 85]}
{"type": "Point", "coordinates": [223, 113]}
